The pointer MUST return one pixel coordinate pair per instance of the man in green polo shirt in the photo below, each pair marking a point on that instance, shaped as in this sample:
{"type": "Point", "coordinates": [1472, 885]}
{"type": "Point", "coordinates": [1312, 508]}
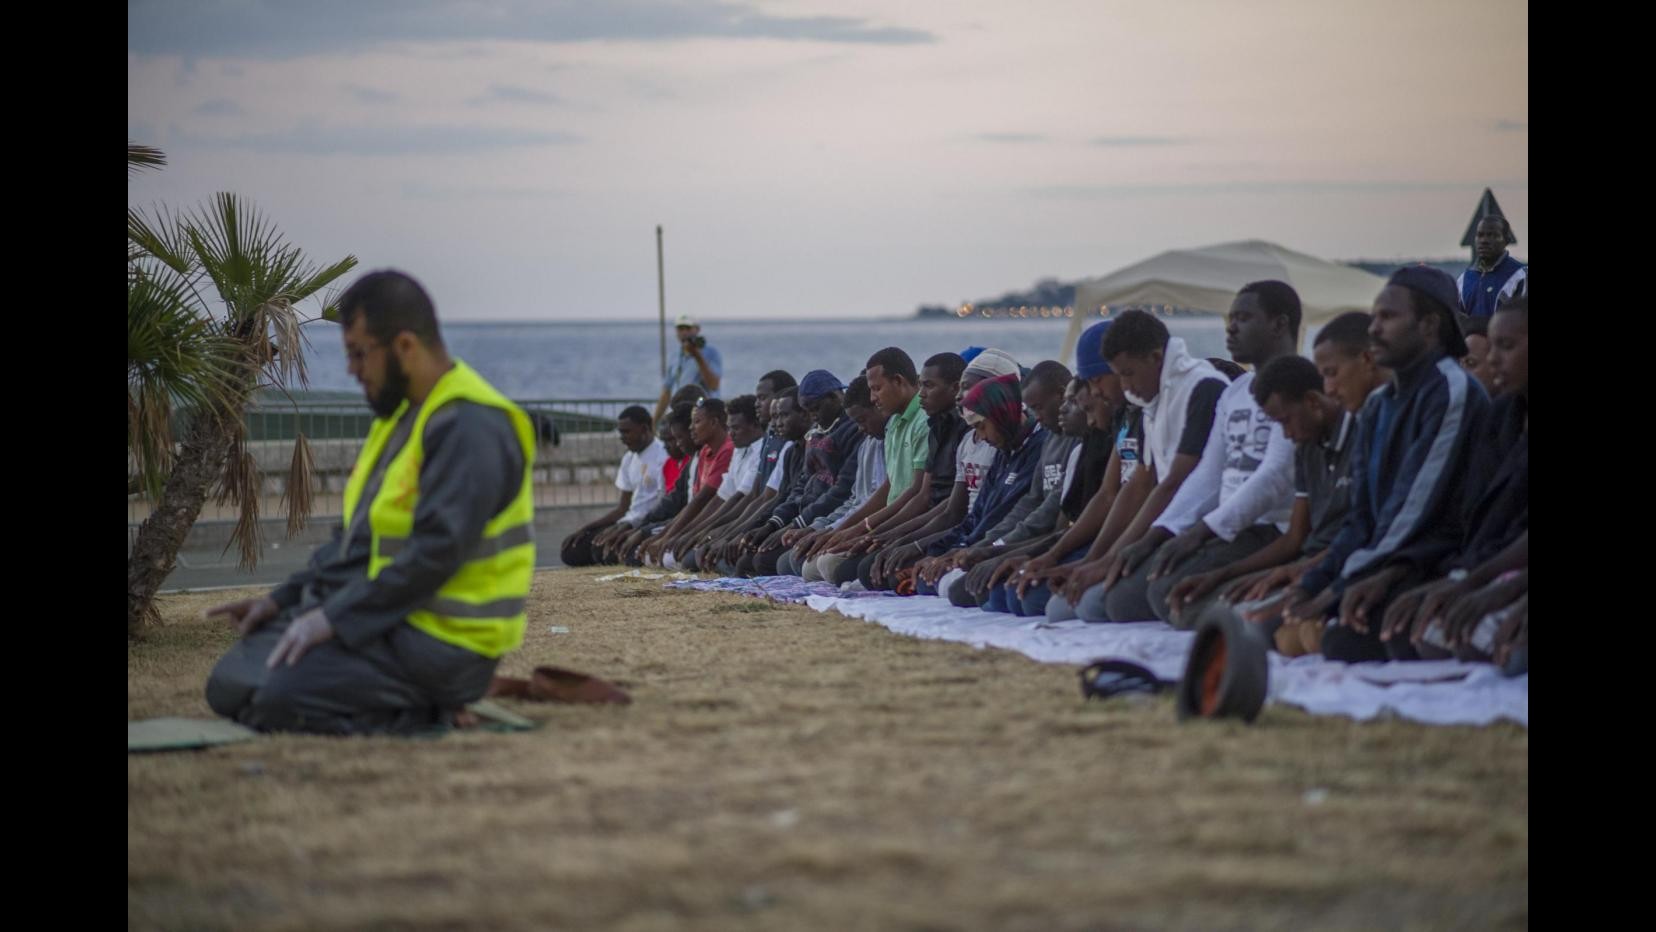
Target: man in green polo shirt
{"type": "Point", "coordinates": [896, 390]}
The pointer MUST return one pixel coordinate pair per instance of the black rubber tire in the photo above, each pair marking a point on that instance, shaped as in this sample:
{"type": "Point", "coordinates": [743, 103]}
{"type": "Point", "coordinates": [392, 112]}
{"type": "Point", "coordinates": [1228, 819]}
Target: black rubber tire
{"type": "Point", "coordinates": [1222, 637]}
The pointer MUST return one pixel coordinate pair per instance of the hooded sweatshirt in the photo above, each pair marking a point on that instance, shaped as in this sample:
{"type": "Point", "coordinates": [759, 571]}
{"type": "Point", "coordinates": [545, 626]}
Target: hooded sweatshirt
{"type": "Point", "coordinates": [1168, 414]}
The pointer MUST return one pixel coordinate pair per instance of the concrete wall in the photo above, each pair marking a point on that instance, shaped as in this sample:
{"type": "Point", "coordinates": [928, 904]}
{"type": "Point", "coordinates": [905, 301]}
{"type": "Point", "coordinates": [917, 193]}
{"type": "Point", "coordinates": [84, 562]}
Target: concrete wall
{"type": "Point", "coordinates": [579, 459]}
{"type": "Point", "coordinates": [204, 562]}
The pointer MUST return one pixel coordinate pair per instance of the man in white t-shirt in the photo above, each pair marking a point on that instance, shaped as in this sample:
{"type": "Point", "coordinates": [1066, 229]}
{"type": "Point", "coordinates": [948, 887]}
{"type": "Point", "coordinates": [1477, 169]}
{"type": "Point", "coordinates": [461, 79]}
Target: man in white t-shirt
{"type": "Point", "coordinates": [972, 461]}
{"type": "Point", "coordinates": [746, 434]}
{"type": "Point", "coordinates": [638, 478]}
{"type": "Point", "coordinates": [1238, 498]}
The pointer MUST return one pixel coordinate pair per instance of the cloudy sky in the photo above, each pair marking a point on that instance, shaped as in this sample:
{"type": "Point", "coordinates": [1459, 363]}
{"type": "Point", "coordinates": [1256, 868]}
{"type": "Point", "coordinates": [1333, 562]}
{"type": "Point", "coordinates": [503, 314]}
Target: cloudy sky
{"type": "Point", "coordinates": [827, 157]}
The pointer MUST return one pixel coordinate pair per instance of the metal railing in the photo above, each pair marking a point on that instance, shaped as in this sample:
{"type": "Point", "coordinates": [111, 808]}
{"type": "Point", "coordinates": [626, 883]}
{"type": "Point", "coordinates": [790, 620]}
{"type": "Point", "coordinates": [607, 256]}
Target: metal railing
{"type": "Point", "coordinates": [575, 461]}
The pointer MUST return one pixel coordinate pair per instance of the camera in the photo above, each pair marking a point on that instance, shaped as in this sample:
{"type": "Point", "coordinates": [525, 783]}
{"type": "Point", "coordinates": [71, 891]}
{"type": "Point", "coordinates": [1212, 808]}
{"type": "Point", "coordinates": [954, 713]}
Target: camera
{"type": "Point", "coordinates": [698, 341]}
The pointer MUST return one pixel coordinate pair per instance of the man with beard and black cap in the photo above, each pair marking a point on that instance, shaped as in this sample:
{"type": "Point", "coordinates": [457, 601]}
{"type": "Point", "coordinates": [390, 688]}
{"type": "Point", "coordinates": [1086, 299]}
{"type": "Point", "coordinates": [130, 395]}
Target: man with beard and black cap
{"type": "Point", "coordinates": [1496, 523]}
{"type": "Point", "coordinates": [399, 621]}
{"type": "Point", "coordinates": [1408, 468]}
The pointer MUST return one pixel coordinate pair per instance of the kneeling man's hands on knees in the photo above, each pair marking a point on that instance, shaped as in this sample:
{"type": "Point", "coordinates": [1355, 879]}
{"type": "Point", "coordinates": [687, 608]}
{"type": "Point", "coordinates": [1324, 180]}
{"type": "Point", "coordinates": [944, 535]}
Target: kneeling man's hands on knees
{"type": "Point", "coordinates": [248, 614]}
{"type": "Point", "coordinates": [306, 631]}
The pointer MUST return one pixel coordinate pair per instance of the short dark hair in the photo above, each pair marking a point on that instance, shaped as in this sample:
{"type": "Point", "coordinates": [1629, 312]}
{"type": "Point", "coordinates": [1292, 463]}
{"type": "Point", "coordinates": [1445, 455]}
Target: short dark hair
{"type": "Point", "coordinates": [688, 393]}
{"type": "Point", "coordinates": [745, 405]}
{"type": "Point", "coordinates": [1135, 332]}
{"type": "Point", "coordinates": [779, 379]}
{"type": "Point", "coordinates": [715, 409]}
{"type": "Point", "coordinates": [1519, 303]}
{"type": "Point", "coordinates": [894, 363]}
{"type": "Point", "coordinates": [389, 303]}
{"type": "Point", "coordinates": [1051, 374]}
{"type": "Point", "coordinates": [1349, 332]}
{"type": "Point", "coordinates": [1227, 368]}
{"type": "Point", "coordinates": [1279, 299]}
{"type": "Point", "coordinates": [1506, 228]}
{"type": "Point", "coordinates": [637, 415]}
{"type": "Point", "coordinates": [857, 394]}
{"type": "Point", "coordinates": [791, 393]}
{"type": "Point", "coordinates": [1473, 326]}
{"type": "Point", "coordinates": [948, 365]}
{"type": "Point", "coordinates": [1290, 378]}
{"type": "Point", "coordinates": [681, 415]}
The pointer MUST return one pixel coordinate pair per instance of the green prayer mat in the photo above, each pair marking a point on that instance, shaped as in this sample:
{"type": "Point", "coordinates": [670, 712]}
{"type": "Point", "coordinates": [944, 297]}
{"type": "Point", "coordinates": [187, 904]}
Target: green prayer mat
{"type": "Point", "coordinates": [179, 734]}
{"type": "Point", "coordinates": [183, 734]}
{"type": "Point", "coordinates": [496, 718]}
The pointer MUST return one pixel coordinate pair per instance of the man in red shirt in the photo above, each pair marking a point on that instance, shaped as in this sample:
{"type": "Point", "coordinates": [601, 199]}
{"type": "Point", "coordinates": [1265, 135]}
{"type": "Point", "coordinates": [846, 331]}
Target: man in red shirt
{"type": "Point", "coordinates": [678, 460]}
{"type": "Point", "coordinates": [708, 431]}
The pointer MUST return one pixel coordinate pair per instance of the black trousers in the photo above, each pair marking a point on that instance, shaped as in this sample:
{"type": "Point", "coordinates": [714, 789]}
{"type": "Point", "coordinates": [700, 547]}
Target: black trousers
{"type": "Point", "coordinates": [759, 563]}
{"type": "Point", "coordinates": [850, 570]}
{"type": "Point", "coordinates": [577, 548]}
{"type": "Point", "coordinates": [406, 681]}
{"type": "Point", "coordinates": [1340, 642]}
{"type": "Point", "coordinates": [909, 557]}
{"type": "Point", "coordinates": [973, 590]}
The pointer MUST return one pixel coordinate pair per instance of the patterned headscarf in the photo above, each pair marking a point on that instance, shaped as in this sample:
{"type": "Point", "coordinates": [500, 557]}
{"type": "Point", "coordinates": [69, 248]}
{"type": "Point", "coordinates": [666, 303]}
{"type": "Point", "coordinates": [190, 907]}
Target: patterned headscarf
{"type": "Point", "coordinates": [999, 400]}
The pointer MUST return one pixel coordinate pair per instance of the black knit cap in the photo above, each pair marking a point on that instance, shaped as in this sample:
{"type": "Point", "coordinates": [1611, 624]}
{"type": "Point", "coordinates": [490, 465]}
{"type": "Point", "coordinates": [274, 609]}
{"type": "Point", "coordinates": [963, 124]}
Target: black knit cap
{"type": "Point", "coordinates": [1436, 284]}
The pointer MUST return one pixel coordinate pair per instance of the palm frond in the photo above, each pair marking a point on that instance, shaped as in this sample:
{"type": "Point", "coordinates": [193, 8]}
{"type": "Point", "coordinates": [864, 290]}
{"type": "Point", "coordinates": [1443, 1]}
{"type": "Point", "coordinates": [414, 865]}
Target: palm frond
{"type": "Point", "coordinates": [175, 360]}
{"type": "Point", "coordinates": [143, 157]}
{"type": "Point", "coordinates": [231, 284]}
{"type": "Point", "coordinates": [240, 485]}
{"type": "Point", "coordinates": [237, 249]}
{"type": "Point", "coordinates": [322, 278]}
{"type": "Point", "coordinates": [164, 237]}
{"type": "Point", "coordinates": [296, 495]}
{"type": "Point", "coordinates": [247, 534]}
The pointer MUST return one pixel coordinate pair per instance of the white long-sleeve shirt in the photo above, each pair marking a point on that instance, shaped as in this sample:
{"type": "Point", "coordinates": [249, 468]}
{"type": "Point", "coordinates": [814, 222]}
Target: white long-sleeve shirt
{"type": "Point", "coordinates": [1245, 475]}
{"type": "Point", "coordinates": [640, 474]}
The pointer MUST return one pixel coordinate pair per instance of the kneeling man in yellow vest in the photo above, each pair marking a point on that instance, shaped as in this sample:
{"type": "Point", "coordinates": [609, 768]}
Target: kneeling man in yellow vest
{"type": "Point", "coordinates": [398, 622]}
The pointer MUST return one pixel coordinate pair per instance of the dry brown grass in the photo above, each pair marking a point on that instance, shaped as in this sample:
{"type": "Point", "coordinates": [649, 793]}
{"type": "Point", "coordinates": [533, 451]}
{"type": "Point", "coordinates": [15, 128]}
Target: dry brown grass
{"type": "Point", "coordinates": [782, 769]}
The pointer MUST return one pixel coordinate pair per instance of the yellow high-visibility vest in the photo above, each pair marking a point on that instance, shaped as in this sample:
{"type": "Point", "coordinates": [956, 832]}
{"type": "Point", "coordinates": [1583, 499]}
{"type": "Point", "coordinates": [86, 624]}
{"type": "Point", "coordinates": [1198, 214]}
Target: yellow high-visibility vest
{"type": "Point", "coordinates": [480, 607]}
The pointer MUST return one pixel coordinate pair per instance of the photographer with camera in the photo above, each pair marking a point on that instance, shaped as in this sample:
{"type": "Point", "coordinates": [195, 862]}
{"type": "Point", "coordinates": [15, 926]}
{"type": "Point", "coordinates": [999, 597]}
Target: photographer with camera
{"type": "Point", "coordinates": [697, 364]}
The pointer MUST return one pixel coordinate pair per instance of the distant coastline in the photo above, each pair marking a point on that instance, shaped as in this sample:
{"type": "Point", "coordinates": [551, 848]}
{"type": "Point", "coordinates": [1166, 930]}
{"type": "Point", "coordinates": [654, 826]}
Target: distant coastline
{"type": "Point", "coordinates": [1050, 297]}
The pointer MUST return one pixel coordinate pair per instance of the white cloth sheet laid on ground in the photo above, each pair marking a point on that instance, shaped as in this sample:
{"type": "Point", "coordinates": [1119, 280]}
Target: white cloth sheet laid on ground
{"type": "Point", "coordinates": [1435, 692]}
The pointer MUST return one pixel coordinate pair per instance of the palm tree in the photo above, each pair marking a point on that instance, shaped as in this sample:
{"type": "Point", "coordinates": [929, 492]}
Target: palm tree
{"type": "Point", "coordinates": [212, 317]}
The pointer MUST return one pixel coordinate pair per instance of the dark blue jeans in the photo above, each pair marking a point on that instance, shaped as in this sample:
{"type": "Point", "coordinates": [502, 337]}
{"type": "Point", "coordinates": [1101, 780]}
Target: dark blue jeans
{"type": "Point", "coordinates": [1033, 603]}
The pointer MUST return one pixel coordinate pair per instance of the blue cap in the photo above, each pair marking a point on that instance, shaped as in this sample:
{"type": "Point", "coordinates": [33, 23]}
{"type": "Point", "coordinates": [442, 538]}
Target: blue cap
{"type": "Point", "coordinates": [970, 353]}
{"type": "Point", "coordinates": [816, 383]}
{"type": "Point", "coordinates": [1089, 352]}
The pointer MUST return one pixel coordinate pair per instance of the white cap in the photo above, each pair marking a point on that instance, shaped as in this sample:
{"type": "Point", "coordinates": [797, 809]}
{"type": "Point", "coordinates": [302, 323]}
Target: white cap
{"type": "Point", "coordinates": [685, 320]}
{"type": "Point", "coordinates": [993, 363]}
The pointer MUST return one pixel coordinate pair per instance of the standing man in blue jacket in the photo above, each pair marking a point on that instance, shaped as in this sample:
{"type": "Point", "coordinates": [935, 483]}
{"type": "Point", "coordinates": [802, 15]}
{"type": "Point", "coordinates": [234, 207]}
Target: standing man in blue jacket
{"type": "Point", "coordinates": [1494, 276]}
{"type": "Point", "coordinates": [1408, 469]}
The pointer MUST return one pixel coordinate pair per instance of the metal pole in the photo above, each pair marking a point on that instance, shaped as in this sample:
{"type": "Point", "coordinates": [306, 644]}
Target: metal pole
{"type": "Point", "coordinates": [661, 291]}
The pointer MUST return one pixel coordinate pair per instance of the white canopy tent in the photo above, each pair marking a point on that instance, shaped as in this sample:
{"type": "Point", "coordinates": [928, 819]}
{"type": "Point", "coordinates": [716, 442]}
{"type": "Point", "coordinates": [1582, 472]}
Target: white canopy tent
{"type": "Point", "coordinates": [1207, 279]}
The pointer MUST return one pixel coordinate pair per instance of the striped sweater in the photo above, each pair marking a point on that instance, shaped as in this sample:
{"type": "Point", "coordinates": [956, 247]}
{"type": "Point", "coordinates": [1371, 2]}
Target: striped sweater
{"type": "Point", "coordinates": [1408, 471]}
